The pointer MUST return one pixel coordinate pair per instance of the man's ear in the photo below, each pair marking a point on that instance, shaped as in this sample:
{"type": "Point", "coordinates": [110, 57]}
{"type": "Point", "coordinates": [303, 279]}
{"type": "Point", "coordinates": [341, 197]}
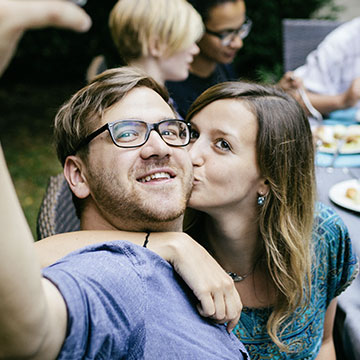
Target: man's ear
{"type": "Point", "coordinates": [73, 171]}
{"type": "Point", "coordinates": [156, 49]}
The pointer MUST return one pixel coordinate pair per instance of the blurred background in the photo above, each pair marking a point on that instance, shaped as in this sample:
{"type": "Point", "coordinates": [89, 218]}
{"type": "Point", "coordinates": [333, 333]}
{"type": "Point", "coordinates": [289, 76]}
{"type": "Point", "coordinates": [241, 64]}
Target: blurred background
{"type": "Point", "coordinates": [51, 64]}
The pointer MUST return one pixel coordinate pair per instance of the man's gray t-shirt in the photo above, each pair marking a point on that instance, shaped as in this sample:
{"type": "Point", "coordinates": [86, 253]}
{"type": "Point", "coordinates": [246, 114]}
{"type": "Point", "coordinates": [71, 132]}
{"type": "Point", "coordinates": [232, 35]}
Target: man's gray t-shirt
{"type": "Point", "coordinates": [126, 302]}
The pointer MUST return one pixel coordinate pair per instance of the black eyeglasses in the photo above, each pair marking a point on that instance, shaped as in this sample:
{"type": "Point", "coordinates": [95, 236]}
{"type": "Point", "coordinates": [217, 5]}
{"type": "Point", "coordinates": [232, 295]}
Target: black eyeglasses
{"type": "Point", "coordinates": [135, 133]}
{"type": "Point", "coordinates": [227, 36]}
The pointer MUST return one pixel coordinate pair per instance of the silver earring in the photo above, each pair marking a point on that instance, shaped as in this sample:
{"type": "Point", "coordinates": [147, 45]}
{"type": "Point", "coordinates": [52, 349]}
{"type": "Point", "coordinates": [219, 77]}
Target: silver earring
{"type": "Point", "coordinates": [261, 200]}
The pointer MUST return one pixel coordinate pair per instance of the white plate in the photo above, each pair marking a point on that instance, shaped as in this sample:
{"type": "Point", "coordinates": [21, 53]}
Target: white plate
{"type": "Point", "coordinates": [337, 194]}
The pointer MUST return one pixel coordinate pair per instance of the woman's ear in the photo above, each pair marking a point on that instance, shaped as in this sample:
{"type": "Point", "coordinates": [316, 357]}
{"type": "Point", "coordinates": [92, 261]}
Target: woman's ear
{"type": "Point", "coordinates": [264, 187]}
{"type": "Point", "coordinates": [73, 171]}
{"type": "Point", "coordinates": [156, 48]}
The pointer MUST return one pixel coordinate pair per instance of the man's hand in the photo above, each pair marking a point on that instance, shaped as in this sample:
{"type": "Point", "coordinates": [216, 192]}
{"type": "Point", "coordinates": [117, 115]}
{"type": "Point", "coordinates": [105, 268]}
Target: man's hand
{"type": "Point", "coordinates": [289, 82]}
{"type": "Point", "coordinates": [16, 16]}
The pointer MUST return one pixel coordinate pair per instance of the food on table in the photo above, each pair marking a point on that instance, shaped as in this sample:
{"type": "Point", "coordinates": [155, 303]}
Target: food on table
{"type": "Point", "coordinates": [330, 135]}
{"type": "Point", "coordinates": [353, 194]}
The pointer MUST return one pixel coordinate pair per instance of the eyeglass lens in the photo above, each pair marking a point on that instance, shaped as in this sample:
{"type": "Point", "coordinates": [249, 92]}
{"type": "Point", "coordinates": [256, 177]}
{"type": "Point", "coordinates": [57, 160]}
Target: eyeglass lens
{"type": "Point", "coordinates": [136, 133]}
{"type": "Point", "coordinates": [243, 32]}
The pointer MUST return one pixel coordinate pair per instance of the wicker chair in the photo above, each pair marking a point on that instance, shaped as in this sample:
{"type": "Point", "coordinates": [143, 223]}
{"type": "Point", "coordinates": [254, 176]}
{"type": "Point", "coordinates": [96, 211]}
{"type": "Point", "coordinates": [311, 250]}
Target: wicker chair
{"type": "Point", "coordinates": [300, 37]}
{"type": "Point", "coordinates": [57, 211]}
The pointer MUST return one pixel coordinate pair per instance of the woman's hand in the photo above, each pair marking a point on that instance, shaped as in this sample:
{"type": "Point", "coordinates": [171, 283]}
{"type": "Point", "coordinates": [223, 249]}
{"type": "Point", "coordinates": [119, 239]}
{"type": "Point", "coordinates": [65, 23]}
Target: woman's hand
{"type": "Point", "coordinates": [213, 287]}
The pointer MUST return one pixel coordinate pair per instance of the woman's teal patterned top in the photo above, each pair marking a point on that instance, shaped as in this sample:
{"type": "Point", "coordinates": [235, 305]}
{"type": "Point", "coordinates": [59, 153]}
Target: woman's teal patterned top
{"type": "Point", "coordinates": [334, 268]}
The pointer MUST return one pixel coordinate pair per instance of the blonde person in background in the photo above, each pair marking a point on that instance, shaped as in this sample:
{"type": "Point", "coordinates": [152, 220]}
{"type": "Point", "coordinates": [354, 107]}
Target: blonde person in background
{"type": "Point", "coordinates": [156, 36]}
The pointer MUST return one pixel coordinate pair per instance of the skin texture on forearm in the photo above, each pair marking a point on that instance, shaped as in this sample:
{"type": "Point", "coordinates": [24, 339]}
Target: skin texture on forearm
{"type": "Point", "coordinates": [327, 103]}
{"type": "Point", "coordinates": [20, 285]}
{"type": "Point", "coordinates": [20, 15]}
{"type": "Point", "coordinates": [52, 249]}
{"type": "Point", "coordinates": [33, 314]}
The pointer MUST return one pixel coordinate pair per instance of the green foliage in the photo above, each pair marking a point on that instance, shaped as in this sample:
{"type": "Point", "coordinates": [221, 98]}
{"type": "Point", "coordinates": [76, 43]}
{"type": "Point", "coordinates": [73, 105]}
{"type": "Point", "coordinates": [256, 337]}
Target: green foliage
{"type": "Point", "coordinates": [25, 134]}
{"type": "Point", "coordinates": [261, 55]}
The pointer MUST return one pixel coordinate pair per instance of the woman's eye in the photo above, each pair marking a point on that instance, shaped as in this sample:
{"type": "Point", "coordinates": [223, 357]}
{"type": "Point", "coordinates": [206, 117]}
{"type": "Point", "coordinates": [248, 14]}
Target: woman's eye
{"type": "Point", "coordinates": [223, 145]}
{"type": "Point", "coordinates": [194, 135]}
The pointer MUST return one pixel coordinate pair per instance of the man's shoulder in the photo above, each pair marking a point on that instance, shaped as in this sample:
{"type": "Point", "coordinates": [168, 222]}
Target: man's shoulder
{"type": "Point", "coordinates": [109, 257]}
{"type": "Point", "coordinates": [343, 36]}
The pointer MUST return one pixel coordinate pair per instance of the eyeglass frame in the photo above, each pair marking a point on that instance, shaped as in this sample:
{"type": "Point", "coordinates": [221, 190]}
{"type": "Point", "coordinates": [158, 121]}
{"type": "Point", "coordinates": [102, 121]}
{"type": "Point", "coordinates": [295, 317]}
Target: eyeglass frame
{"type": "Point", "coordinates": [150, 127]}
{"type": "Point", "coordinates": [246, 27]}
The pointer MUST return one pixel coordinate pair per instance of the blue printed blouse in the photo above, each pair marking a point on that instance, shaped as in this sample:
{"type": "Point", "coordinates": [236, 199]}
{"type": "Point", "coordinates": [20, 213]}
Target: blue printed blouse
{"type": "Point", "coordinates": [335, 267]}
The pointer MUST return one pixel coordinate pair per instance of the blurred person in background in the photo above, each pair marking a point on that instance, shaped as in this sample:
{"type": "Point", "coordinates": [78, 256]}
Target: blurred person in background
{"type": "Point", "coordinates": [226, 26]}
{"type": "Point", "coordinates": [331, 74]}
{"type": "Point", "coordinates": [156, 36]}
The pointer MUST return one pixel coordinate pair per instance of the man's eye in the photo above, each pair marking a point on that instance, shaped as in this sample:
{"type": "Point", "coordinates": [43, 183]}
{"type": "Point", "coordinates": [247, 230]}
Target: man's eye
{"type": "Point", "coordinates": [225, 34]}
{"type": "Point", "coordinates": [127, 136]}
{"type": "Point", "coordinates": [223, 145]}
{"type": "Point", "coordinates": [170, 133]}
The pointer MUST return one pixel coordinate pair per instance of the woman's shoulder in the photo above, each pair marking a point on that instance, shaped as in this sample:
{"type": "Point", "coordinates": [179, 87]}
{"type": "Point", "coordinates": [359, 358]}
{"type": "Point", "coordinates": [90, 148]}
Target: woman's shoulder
{"type": "Point", "coordinates": [329, 231]}
{"type": "Point", "coordinates": [335, 259]}
{"type": "Point", "coordinates": [326, 219]}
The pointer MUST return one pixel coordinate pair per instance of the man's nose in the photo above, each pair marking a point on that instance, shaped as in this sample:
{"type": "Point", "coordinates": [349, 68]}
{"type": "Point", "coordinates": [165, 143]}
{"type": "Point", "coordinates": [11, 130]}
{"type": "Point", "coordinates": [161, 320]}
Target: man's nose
{"type": "Point", "coordinates": [237, 42]}
{"type": "Point", "coordinates": [155, 146]}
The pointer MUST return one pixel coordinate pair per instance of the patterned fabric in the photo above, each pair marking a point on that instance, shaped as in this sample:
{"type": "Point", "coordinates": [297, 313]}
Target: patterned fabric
{"type": "Point", "coordinates": [332, 67]}
{"type": "Point", "coordinates": [335, 267]}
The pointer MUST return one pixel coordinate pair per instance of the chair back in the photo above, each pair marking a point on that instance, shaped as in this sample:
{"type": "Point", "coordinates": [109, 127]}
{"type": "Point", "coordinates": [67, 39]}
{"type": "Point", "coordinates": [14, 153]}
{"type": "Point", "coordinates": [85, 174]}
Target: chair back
{"type": "Point", "coordinates": [57, 212]}
{"type": "Point", "coordinates": [300, 37]}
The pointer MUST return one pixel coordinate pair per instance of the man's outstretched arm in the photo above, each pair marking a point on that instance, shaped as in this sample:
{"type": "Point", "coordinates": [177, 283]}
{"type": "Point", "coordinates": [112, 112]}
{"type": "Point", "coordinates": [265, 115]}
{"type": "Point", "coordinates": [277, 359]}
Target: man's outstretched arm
{"type": "Point", "coordinates": [32, 311]}
{"type": "Point", "coordinates": [17, 16]}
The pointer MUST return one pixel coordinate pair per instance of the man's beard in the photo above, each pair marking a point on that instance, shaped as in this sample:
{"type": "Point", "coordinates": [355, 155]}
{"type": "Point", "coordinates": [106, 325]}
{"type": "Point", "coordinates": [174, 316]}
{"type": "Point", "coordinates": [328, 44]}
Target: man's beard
{"type": "Point", "coordinates": [128, 209]}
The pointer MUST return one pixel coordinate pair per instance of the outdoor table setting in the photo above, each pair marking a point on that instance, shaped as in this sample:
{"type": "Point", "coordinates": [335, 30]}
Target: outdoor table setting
{"type": "Point", "coordinates": [338, 185]}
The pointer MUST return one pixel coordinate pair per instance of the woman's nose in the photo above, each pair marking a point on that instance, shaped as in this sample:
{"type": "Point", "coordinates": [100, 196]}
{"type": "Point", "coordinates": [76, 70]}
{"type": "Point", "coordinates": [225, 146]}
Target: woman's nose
{"type": "Point", "coordinates": [196, 153]}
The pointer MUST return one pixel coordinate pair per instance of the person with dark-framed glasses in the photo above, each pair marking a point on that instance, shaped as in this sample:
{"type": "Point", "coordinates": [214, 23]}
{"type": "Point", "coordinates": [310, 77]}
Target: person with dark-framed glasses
{"type": "Point", "coordinates": [135, 133]}
{"type": "Point", "coordinates": [226, 27]}
{"type": "Point", "coordinates": [229, 35]}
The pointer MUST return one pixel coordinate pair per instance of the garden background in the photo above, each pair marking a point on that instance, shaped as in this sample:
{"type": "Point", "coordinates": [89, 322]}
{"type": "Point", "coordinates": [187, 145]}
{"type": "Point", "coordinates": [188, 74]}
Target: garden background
{"type": "Point", "coordinates": [51, 64]}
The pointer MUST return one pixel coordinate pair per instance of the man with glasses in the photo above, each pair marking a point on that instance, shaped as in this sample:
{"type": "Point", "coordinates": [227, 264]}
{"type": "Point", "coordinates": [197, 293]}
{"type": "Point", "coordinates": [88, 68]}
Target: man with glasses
{"type": "Point", "coordinates": [226, 26]}
{"type": "Point", "coordinates": [125, 161]}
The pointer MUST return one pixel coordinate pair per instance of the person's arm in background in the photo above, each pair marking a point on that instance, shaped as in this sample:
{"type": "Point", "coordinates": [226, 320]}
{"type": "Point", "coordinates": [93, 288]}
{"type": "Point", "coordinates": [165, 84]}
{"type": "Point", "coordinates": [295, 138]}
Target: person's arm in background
{"type": "Point", "coordinates": [214, 289]}
{"type": "Point", "coordinates": [16, 16]}
{"type": "Point", "coordinates": [328, 103]}
{"type": "Point", "coordinates": [321, 102]}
